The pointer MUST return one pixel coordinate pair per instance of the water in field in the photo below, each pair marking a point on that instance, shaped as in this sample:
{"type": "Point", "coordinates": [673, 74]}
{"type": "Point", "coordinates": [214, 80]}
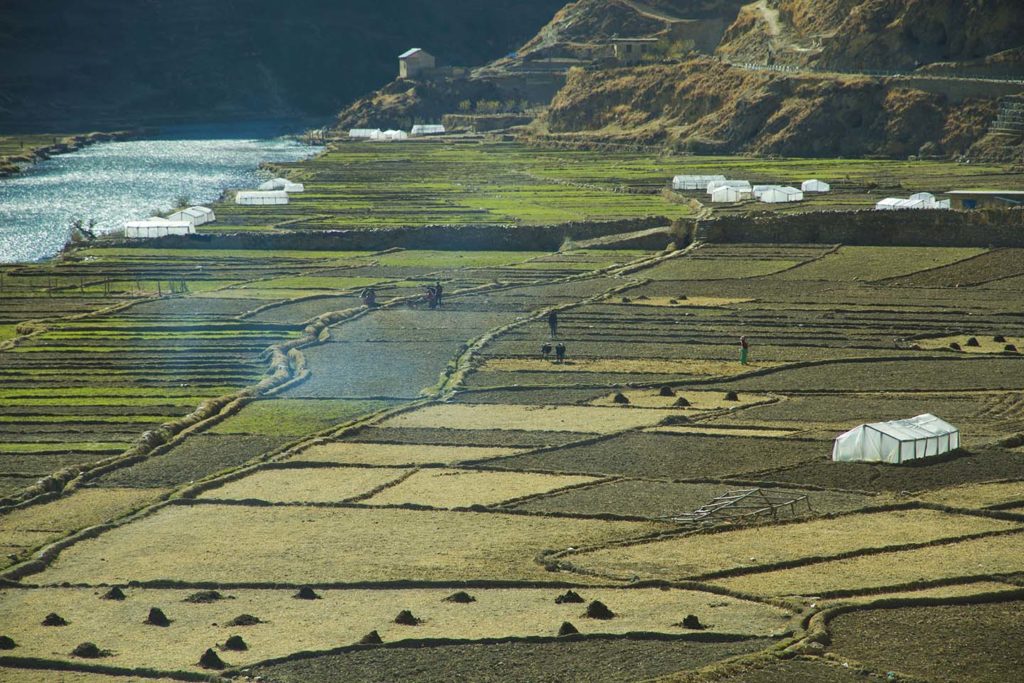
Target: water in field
{"type": "Point", "coordinates": [118, 181]}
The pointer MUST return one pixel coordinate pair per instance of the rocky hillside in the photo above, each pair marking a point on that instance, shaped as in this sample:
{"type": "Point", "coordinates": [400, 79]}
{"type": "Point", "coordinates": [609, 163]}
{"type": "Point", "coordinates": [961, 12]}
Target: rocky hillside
{"type": "Point", "coordinates": [705, 106]}
{"type": "Point", "coordinates": [877, 35]}
{"type": "Point", "coordinates": [821, 96]}
{"type": "Point", "coordinates": [109, 63]}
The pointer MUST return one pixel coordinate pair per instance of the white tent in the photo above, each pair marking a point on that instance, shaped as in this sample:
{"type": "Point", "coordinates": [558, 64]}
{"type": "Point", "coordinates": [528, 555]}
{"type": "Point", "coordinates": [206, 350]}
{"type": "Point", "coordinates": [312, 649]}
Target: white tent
{"type": "Point", "coordinates": [888, 204]}
{"type": "Point", "coordinates": [942, 204]}
{"type": "Point", "coordinates": [898, 441]}
{"type": "Point", "coordinates": [427, 129]}
{"type": "Point", "coordinates": [729, 194]}
{"type": "Point", "coordinates": [915, 203]}
{"type": "Point", "coordinates": [157, 227]}
{"type": "Point", "coordinates": [694, 182]}
{"type": "Point", "coordinates": [739, 184]}
{"type": "Point", "coordinates": [261, 198]}
{"type": "Point", "coordinates": [282, 184]}
{"type": "Point", "coordinates": [395, 135]}
{"type": "Point", "coordinates": [759, 190]}
{"type": "Point", "coordinates": [814, 186]}
{"type": "Point", "coordinates": [926, 196]}
{"type": "Point", "coordinates": [781, 195]}
{"type": "Point", "coordinates": [196, 215]}
{"type": "Point", "coordinates": [364, 133]}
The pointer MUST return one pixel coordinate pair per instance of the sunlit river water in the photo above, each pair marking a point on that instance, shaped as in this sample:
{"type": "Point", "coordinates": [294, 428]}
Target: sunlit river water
{"type": "Point", "coordinates": [117, 181]}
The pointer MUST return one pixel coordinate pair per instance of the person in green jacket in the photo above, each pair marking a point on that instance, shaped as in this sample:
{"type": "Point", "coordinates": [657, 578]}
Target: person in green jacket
{"type": "Point", "coordinates": [744, 350]}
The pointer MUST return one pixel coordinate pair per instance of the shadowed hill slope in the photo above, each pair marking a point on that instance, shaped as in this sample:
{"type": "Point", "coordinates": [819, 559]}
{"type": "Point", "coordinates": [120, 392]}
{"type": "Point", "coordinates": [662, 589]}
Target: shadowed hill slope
{"type": "Point", "coordinates": [102, 62]}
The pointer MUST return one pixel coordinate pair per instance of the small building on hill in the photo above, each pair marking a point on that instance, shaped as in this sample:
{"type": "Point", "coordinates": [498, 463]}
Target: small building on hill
{"type": "Point", "coordinates": [985, 199]}
{"type": "Point", "coordinates": [415, 61]}
{"type": "Point", "coordinates": [633, 50]}
{"type": "Point", "coordinates": [157, 227]}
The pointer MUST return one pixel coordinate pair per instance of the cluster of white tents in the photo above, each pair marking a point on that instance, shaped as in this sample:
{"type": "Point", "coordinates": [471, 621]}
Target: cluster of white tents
{"type": "Point", "coordinates": [897, 441]}
{"type": "Point", "coordinates": [270, 193]}
{"type": "Point", "coordinates": [182, 222]}
{"type": "Point", "coordinates": [377, 134]}
{"type": "Point", "coordinates": [723, 190]}
{"type": "Point", "coordinates": [919, 200]}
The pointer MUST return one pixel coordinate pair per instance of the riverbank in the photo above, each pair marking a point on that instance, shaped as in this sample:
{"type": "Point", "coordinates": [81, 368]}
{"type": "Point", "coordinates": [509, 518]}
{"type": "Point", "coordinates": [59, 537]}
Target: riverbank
{"type": "Point", "coordinates": [19, 151]}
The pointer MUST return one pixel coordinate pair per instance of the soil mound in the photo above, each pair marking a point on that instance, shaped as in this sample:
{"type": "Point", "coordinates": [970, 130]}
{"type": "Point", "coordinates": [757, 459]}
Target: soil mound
{"type": "Point", "coordinates": [598, 610]}
{"type": "Point", "coordinates": [236, 644]}
{"type": "Point", "coordinates": [245, 620]}
{"type": "Point", "coordinates": [1010, 348]}
{"type": "Point", "coordinates": [204, 597]}
{"type": "Point", "coordinates": [406, 618]}
{"type": "Point", "coordinates": [626, 299]}
{"type": "Point", "coordinates": [569, 596]}
{"type": "Point", "coordinates": [666, 391]}
{"type": "Point", "coordinates": [999, 338]}
{"type": "Point", "coordinates": [371, 638]}
{"type": "Point", "coordinates": [973, 341]}
{"type": "Point", "coordinates": [462, 597]}
{"type": "Point", "coordinates": [211, 660]}
{"type": "Point", "coordinates": [306, 593]}
{"type": "Point", "coordinates": [732, 396]}
{"type": "Point", "coordinates": [89, 651]}
{"type": "Point", "coordinates": [54, 619]}
{"type": "Point", "coordinates": [954, 346]}
{"type": "Point", "coordinates": [567, 629]}
{"type": "Point", "coordinates": [681, 402]}
{"type": "Point", "coordinates": [157, 617]}
{"type": "Point", "coordinates": [692, 622]}
{"type": "Point", "coordinates": [620, 398]}
{"type": "Point", "coordinates": [7, 643]}
{"type": "Point", "coordinates": [114, 593]}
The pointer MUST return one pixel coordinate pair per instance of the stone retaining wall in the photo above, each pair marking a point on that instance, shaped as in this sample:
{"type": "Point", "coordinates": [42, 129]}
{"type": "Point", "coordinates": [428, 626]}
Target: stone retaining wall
{"type": "Point", "coordinates": [440, 237]}
{"type": "Point", "coordinates": [921, 228]}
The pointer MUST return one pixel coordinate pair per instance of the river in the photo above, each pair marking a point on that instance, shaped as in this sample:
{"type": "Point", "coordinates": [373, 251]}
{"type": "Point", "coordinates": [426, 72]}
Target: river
{"type": "Point", "coordinates": [112, 182]}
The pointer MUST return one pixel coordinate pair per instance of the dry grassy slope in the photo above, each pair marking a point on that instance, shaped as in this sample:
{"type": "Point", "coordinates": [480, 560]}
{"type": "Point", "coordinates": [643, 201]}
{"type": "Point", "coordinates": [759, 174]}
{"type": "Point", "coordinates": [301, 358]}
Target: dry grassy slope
{"type": "Point", "coordinates": [705, 106]}
{"type": "Point", "coordinates": [589, 21]}
{"type": "Point", "coordinates": [874, 34]}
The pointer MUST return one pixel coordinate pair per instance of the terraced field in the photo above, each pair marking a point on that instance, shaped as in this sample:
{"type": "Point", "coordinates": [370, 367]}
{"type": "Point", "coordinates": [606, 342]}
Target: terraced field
{"type": "Point", "coordinates": [251, 451]}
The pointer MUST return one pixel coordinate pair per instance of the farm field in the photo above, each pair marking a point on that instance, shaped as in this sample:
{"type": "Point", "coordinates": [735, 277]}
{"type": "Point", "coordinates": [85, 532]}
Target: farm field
{"type": "Point", "coordinates": [182, 420]}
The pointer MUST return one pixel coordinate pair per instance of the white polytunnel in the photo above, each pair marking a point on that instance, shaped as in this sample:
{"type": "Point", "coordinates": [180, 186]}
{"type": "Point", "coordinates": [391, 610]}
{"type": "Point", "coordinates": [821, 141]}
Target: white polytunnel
{"type": "Point", "coordinates": [261, 197]}
{"type": "Point", "coordinates": [694, 182]}
{"type": "Point", "coordinates": [427, 129]}
{"type": "Point", "coordinates": [196, 215]}
{"type": "Point", "coordinates": [739, 184]}
{"type": "Point", "coordinates": [897, 441]}
{"type": "Point", "coordinates": [814, 186]}
{"type": "Point", "coordinates": [282, 184]}
{"type": "Point", "coordinates": [157, 227]}
{"type": "Point", "coordinates": [781, 195]}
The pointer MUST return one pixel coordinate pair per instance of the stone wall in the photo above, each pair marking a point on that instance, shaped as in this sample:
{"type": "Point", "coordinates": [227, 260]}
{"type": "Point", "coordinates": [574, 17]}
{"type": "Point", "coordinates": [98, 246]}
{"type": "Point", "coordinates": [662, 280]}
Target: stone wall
{"type": "Point", "coordinates": [440, 237]}
{"type": "Point", "coordinates": [924, 228]}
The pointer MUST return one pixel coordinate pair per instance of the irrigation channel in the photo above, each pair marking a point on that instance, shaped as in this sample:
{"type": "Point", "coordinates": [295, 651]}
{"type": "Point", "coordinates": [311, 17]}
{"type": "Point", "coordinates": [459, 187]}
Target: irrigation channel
{"type": "Point", "coordinates": [113, 182]}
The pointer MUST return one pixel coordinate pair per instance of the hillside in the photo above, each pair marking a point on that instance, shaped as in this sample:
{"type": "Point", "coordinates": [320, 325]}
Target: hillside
{"type": "Point", "coordinates": [103, 63]}
{"type": "Point", "coordinates": [790, 77]}
{"type": "Point", "coordinates": [876, 35]}
{"type": "Point", "coordinates": [705, 106]}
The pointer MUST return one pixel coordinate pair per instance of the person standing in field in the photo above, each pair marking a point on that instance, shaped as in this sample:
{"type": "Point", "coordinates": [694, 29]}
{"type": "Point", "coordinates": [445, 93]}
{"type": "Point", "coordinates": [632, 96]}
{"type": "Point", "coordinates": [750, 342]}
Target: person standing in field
{"type": "Point", "coordinates": [440, 290]}
{"type": "Point", "coordinates": [744, 350]}
{"type": "Point", "coordinates": [553, 324]}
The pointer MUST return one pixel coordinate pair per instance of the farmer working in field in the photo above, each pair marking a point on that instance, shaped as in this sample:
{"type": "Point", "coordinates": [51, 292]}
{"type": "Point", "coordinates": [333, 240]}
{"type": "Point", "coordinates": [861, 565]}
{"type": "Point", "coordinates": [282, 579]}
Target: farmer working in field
{"type": "Point", "coordinates": [560, 352]}
{"type": "Point", "coordinates": [369, 297]}
{"type": "Point", "coordinates": [744, 350]}
{"type": "Point", "coordinates": [553, 324]}
{"type": "Point", "coordinates": [439, 290]}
